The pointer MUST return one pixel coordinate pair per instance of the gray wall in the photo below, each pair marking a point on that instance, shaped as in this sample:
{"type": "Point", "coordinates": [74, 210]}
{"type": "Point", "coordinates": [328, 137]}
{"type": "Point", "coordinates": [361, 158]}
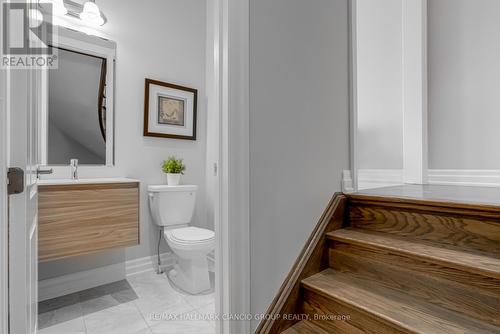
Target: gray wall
{"type": "Point", "coordinates": [464, 84]}
{"type": "Point", "coordinates": [298, 129]}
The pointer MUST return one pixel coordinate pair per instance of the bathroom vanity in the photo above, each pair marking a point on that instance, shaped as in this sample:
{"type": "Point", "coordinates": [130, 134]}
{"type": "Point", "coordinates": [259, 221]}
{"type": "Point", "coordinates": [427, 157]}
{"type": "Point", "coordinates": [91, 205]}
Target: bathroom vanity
{"type": "Point", "coordinates": [84, 216]}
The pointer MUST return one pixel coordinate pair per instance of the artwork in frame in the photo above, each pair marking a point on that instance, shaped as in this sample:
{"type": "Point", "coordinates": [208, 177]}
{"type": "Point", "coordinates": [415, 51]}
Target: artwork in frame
{"type": "Point", "coordinates": [169, 110]}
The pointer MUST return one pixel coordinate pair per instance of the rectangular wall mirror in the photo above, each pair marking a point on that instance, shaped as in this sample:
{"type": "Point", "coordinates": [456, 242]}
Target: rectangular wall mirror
{"type": "Point", "coordinates": [79, 115]}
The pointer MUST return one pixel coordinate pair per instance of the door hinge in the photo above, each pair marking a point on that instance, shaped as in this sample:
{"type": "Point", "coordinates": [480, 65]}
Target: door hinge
{"type": "Point", "coordinates": [15, 175]}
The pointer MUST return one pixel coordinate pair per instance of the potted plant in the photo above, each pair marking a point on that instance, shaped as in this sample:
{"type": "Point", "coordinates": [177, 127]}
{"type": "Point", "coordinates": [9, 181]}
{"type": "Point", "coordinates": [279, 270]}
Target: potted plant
{"type": "Point", "coordinates": [174, 168]}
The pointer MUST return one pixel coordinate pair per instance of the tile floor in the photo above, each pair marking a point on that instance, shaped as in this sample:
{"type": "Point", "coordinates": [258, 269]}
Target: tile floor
{"type": "Point", "coordinates": [145, 303]}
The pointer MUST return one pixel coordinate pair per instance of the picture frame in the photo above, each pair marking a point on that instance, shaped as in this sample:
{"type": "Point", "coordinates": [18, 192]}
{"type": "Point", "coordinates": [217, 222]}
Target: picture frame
{"type": "Point", "coordinates": [169, 110]}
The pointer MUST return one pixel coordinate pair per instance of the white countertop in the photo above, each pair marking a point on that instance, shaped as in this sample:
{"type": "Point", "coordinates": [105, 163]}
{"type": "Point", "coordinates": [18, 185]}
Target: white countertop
{"type": "Point", "coordinates": [52, 182]}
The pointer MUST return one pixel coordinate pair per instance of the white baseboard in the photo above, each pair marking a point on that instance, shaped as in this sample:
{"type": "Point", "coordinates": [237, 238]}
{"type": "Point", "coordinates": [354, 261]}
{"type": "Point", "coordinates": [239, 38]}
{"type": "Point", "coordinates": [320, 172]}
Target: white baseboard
{"type": "Point", "coordinates": [377, 178]}
{"type": "Point", "coordinates": [465, 177]}
{"type": "Point", "coordinates": [149, 263]}
{"type": "Point", "coordinates": [63, 285]}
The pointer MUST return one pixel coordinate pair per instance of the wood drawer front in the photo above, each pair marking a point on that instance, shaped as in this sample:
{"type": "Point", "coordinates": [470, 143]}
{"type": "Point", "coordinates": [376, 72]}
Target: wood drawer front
{"type": "Point", "coordinates": [82, 219]}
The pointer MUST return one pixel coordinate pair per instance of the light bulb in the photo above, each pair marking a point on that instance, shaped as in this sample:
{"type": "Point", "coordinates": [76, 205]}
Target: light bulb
{"type": "Point", "coordinates": [91, 14]}
{"type": "Point", "coordinates": [58, 7]}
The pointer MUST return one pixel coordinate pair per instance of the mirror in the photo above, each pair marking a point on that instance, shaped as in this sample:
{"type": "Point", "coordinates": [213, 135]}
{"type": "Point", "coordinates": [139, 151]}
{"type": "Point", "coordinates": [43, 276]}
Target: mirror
{"type": "Point", "coordinates": [79, 115]}
{"type": "Point", "coordinates": [77, 110]}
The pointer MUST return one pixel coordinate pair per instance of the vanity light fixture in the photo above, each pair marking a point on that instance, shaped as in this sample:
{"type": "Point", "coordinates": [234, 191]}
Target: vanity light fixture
{"type": "Point", "coordinates": [91, 14]}
{"type": "Point", "coordinates": [58, 7]}
{"type": "Point", "coordinates": [88, 13]}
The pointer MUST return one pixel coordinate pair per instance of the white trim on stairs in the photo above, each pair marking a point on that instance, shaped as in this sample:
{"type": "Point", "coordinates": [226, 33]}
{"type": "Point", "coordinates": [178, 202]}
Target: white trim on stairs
{"type": "Point", "coordinates": [347, 182]}
{"type": "Point", "coordinates": [465, 177]}
{"type": "Point", "coordinates": [376, 178]}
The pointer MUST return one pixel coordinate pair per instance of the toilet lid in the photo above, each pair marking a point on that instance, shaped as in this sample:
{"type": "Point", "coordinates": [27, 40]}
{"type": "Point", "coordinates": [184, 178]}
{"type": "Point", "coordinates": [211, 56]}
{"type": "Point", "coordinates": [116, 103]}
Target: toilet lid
{"type": "Point", "coordinates": [192, 234]}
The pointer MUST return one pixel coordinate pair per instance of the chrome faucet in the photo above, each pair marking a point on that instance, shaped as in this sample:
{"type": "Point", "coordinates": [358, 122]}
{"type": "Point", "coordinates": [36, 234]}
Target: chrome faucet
{"type": "Point", "coordinates": [74, 169]}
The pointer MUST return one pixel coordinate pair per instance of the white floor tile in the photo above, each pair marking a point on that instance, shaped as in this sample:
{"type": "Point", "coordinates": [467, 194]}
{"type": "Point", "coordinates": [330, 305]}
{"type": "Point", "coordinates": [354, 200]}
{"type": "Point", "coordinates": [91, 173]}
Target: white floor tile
{"type": "Point", "coordinates": [98, 304]}
{"type": "Point", "coordinates": [154, 312]}
{"type": "Point", "coordinates": [144, 331]}
{"type": "Point", "coordinates": [184, 327]}
{"type": "Point", "coordinates": [120, 319]}
{"type": "Point", "coordinates": [207, 313]}
{"type": "Point", "coordinates": [198, 301]}
{"type": "Point", "coordinates": [159, 308]}
{"type": "Point", "coordinates": [151, 285]}
{"type": "Point", "coordinates": [60, 315]}
{"type": "Point", "coordinates": [75, 326]}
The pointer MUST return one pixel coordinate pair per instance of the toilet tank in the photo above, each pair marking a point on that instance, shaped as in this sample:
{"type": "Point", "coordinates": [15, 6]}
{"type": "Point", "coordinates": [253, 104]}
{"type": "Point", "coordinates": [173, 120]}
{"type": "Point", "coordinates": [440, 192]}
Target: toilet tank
{"type": "Point", "coordinates": [172, 205]}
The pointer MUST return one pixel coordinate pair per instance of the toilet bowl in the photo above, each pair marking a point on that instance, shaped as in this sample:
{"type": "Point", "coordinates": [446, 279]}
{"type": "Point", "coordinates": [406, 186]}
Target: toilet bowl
{"type": "Point", "coordinates": [192, 245]}
{"type": "Point", "coordinates": [172, 208]}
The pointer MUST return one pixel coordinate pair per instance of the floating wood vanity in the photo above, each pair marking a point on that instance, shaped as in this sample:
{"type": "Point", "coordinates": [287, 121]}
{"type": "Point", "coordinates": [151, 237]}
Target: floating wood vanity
{"type": "Point", "coordinates": [86, 216]}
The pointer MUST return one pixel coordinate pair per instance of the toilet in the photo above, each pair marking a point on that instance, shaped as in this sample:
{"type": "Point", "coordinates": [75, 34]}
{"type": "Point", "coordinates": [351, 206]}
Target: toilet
{"type": "Point", "coordinates": [172, 208]}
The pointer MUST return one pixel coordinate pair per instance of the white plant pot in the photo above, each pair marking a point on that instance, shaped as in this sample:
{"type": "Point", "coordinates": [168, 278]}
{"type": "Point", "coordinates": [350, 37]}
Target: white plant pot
{"type": "Point", "coordinates": [173, 179]}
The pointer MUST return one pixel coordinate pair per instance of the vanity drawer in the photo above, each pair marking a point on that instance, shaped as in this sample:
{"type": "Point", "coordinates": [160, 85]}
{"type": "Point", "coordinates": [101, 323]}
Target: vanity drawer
{"type": "Point", "coordinates": [77, 219]}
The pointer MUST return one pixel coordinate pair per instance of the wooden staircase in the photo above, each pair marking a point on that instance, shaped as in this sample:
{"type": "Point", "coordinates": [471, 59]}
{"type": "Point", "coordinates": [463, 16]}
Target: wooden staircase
{"type": "Point", "coordinates": [394, 265]}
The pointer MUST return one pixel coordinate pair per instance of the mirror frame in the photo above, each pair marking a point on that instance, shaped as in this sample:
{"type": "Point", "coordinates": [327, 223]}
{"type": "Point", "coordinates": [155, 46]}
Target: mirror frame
{"type": "Point", "coordinates": [73, 40]}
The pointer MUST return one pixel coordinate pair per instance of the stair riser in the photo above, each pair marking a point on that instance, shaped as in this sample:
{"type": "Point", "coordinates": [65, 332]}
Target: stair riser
{"type": "Point", "coordinates": [460, 260]}
{"type": "Point", "coordinates": [474, 295]}
{"type": "Point", "coordinates": [306, 327]}
{"type": "Point", "coordinates": [466, 233]}
{"type": "Point", "coordinates": [359, 322]}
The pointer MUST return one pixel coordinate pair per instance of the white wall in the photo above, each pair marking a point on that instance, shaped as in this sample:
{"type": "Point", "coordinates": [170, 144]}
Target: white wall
{"type": "Point", "coordinates": [298, 129]}
{"type": "Point", "coordinates": [379, 84]}
{"type": "Point", "coordinates": [464, 83]}
{"type": "Point", "coordinates": [163, 40]}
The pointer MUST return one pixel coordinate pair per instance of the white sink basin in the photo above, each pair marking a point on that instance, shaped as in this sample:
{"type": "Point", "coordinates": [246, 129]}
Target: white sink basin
{"type": "Point", "coordinates": [51, 182]}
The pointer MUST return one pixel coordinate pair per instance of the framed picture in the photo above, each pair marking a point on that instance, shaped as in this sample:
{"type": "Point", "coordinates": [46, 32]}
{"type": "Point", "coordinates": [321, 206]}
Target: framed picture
{"type": "Point", "coordinates": [169, 110]}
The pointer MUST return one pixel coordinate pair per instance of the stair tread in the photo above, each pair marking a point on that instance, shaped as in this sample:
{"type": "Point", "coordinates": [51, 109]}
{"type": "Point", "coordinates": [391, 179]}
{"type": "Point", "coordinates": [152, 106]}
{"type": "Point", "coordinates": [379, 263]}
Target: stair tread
{"type": "Point", "coordinates": [475, 263]}
{"type": "Point", "coordinates": [471, 294]}
{"type": "Point", "coordinates": [306, 327]}
{"type": "Point", "coordinates": [393, 307]}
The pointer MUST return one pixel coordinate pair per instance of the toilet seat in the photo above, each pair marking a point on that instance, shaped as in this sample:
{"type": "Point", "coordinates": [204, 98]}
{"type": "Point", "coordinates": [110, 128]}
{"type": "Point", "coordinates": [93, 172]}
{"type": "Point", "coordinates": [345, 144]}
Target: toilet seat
{"type": "Point", "coordinates": [190, 235]}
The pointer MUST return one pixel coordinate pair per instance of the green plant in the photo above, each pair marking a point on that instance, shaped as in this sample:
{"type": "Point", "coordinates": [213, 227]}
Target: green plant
{"type": "Point", "coordinates": [173, 165]}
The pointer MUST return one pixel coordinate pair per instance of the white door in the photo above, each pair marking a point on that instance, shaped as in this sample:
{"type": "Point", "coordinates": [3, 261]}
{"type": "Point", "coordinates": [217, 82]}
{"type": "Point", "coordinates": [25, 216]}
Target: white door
{"type": "Point", "coordinates": [25, 98]}
{"type": "Point", "coordinates": [25, 103]}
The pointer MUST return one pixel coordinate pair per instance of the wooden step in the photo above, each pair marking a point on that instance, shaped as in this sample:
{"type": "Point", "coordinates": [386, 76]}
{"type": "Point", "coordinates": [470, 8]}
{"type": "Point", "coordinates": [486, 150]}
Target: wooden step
{"type": "Point", "coordinates": [374, 308]}
{"type": "Point", "coordinates": [474, 295]}
{"type": "Point", "coordinates": [461, 260]}
{"type": "Point", "coordinates": [473, 234]}
{"type": "Point", "coordinates": [306, 327]}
